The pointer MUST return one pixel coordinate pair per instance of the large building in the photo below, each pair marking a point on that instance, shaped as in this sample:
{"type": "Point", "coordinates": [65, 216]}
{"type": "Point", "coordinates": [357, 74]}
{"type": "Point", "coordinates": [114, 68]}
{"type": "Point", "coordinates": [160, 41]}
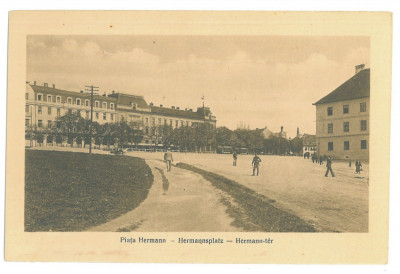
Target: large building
{"type": "Point", "coordinates": [44, 104]}
{"type": "Point", "coordinates": [342, 119]}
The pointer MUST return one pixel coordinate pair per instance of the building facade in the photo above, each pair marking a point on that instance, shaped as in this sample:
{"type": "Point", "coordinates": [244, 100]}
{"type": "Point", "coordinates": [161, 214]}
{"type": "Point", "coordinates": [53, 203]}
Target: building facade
{"type": "Point", "coordinates": [342, 119]}
{"type": "Point", "coordinates": [44, 104]}
{"type": "Point", "coordinates": [309, 144]}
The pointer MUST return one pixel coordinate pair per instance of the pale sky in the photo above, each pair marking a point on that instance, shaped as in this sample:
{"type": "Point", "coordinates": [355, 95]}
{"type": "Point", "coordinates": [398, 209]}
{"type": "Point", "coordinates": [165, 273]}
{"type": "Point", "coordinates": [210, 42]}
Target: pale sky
{"type": "Point", "coordinates": [261, 81]}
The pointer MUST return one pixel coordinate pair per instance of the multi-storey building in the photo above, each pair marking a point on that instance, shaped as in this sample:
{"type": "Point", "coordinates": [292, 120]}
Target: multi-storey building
{"type": "Point", "coordinates": [44, 104]}
{"type": "Point", "coordinates": [342, 128]}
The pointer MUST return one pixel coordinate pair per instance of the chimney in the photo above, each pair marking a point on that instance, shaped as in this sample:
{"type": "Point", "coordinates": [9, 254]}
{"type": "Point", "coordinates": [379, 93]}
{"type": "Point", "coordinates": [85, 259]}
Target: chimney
{"type": "Point", "coordinates": [359, 68]}
{"type": "Point", "coordinates": [151, 104]}
{"type": "Point", "coordinates": [177, 107]}
{"type": "Point", "coordinates": [54, 85]}
{"type": "Point", "coordinates": [113, 92]}
{"type": "Point", "coordinates": [281, 129]}
{"type": "Point", "coordinates": [173, 107]}
{"type": "Point", "coordinates": [34, 83]}
{"type": "Point", "coordinates": [161, 106]}
{"type": "Point", "coordinates": [45, 85]}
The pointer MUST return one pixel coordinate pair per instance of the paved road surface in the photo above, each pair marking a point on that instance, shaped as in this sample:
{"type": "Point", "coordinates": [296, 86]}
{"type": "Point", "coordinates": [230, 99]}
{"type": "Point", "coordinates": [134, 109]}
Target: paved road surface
{"type": "Point", "coordinates": [186, 202]}
{"type": "Point", "coordinates": [297, 185]}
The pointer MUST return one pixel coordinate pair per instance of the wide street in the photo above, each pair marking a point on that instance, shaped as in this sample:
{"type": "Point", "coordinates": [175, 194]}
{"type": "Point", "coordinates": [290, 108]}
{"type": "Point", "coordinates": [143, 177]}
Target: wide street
{"type": "Point", "coordinates": [297, 185]}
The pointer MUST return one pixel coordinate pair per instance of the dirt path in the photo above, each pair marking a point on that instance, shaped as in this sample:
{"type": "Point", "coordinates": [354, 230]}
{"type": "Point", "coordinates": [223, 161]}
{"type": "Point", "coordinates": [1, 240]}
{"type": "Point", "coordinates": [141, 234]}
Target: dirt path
{"type": "Point", "coordinates": [179, 200]}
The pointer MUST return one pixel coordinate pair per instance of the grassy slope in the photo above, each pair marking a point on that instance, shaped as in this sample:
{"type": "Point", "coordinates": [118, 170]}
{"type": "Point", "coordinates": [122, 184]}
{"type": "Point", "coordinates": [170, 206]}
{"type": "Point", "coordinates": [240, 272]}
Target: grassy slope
{"type": "Point", "coordinates": [66, 191]}
{"type": "Point", "coordinates": [252, 211]}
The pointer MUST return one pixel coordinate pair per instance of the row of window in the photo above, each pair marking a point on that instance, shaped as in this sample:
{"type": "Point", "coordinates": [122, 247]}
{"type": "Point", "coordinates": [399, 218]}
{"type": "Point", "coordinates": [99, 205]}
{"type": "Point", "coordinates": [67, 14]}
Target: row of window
{"type": "Point", "coordinates": [346, 109]}
{"type": "Point", "coordinates": [166, 122]}
{"type": "Point", "coordinates": [49, 112]}
{"type": "Point", "coordinates": [70, 101]}
{"type": "Point", "coordinates": [346, 126]}
{"type": "Point", "coordinates": [346, 145]}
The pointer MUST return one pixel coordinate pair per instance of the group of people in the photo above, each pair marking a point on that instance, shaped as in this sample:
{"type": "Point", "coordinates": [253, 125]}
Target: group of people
{"type": "Point", "coordinates": [255, 163]}
{"type": "Point", "coordinates": [319, 159]}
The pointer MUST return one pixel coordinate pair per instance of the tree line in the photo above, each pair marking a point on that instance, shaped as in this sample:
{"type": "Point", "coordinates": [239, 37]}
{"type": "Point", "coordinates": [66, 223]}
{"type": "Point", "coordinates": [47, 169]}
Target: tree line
{"type": "Point", "coordinates": [199, 137]}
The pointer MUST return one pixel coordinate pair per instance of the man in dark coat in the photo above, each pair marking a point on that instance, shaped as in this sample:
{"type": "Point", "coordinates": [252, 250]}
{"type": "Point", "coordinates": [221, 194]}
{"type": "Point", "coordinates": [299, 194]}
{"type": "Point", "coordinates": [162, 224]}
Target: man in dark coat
{"type": "Point", "coordinates": [329, 166]}
{"type": "Point", "coordinates": [256, 163]}
{"type": "Point", "coordinates": [235, 156]}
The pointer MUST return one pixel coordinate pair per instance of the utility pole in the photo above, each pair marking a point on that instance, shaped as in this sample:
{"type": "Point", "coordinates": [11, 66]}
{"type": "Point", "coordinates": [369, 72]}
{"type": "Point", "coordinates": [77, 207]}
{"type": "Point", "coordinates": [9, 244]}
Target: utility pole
{"type": "Point", "coordinates": [91, 89]}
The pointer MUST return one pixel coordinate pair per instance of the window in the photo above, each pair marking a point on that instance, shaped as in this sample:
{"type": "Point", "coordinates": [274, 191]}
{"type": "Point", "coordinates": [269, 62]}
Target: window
{"type": "Point", "coordinates": [170, 122]}
{"type": "Point", "coordinates": [49, 123]}
{"type": "Point", "coordinates": [69, 101]}
{"type": "Point", "coordinates": [26, 96]}
{"type": "Point", "coordinates": [48, 98]}
{"type": "Point", "coordinates": [97, 115]}
{"type": "Point", "coordinates": [146, 130]}
{"type": "Point", "coordinates": [363, 107]}
{"type": "Point", "coordinates": [111, 106]}
{"type": "Point", "coordinates": [147, 121]}
{"type": "Point", "coordinates": [104, 104]}
{"type": "Point", "coordinates": [87, 114]}
{"type": "Point", "coordinates": [78, 102]}
{"type": "Point", "coordinates": [346, 127]}
{"type": "Point", "coordinates": [26, 108]}
{"type": "Point", "coordinates": [104, 116]}
{"type": "Point", "coordinates": [39, 123]}
{"type": "Point", "coordinates": [58, 99]}
{"type": "Point", "coordinates": [153, 121]}
{"type": "Point", "coordinates": [39, 110]}
{"type": "Point", "coordinates": [330, 128]}
{"type": "Point", "coordinates": [346, 145]}
{"type": "Point", "coordinates": [363, 144]}
{"type": "Point", "coordinates": [363, 125]}
{"type": "Point", "coordinates": [96, 104]}
{"type": "Point", "coordinates": [345, 109]}
{"type": "Point", "coordinates": [87, 103]}
{"type": "Point", "coordinates": [330, 111]}
{"type": "Point", "coordinates": [39, 97]}
{"type": "Point", "coordinates": [112, 117]}
{"type": "Point", "coordinates": [27, 122]}
{"type": "Point", "coordinates": [165, 121]}
{"type": "Point", "coordinates": [330, 146]}
{"type": "Point", "coordinates": [176, 123]}
{"type": "Point", "coordinates": [58, 112]}
{"type": "Point", "coordinates": [49, 110]}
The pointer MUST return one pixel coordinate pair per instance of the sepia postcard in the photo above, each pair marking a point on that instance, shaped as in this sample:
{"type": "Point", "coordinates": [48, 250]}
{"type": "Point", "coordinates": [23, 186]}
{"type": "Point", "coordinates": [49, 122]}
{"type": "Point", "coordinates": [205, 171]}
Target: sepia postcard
{"type": "Point", "coordinates": [198, 137]}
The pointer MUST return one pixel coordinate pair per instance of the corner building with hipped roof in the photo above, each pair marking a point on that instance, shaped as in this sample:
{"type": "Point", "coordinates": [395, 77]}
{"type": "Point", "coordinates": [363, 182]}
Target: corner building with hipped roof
{"type": "Point", "coordinates": [342, 119]}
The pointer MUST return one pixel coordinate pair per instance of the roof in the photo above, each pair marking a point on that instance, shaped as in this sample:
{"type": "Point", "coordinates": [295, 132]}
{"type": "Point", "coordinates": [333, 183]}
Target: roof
{"type": "Point", "coordinates": [354, 88]}
{"type": "Point", "coordinates": [51, 90]}
{"type": "Point", "coordinates": [127, 100]}
{"type": "Point", "coordinates": [176, 112]}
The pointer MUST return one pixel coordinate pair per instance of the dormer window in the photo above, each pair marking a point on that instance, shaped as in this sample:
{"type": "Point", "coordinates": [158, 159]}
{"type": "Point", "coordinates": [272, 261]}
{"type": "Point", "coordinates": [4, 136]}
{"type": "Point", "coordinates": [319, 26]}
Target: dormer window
{"type": "Point", "coordinates": [78, 102]}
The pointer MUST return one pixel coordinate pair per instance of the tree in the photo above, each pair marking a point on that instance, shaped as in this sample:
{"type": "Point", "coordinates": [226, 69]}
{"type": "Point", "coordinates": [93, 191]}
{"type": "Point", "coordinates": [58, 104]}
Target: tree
{"type": "Point", "coordinates": [68, 126]}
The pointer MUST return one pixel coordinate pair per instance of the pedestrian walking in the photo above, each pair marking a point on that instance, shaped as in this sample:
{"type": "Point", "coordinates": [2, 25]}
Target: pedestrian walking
{"type": "Point", "coordinates": [256, 164]}
{"type": "Point", "coordinates": [329, 167]}
{"type": "Point", "coordinates": [168, 159]}
{"type": "Point", "coordinates": [320, 160]}
{"type": "Point", "coordinates": [358, 166]}
{"type": "Point", "coordinates": [349, 163]}
{"type": "Point", "coordinates": [235, 156]}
